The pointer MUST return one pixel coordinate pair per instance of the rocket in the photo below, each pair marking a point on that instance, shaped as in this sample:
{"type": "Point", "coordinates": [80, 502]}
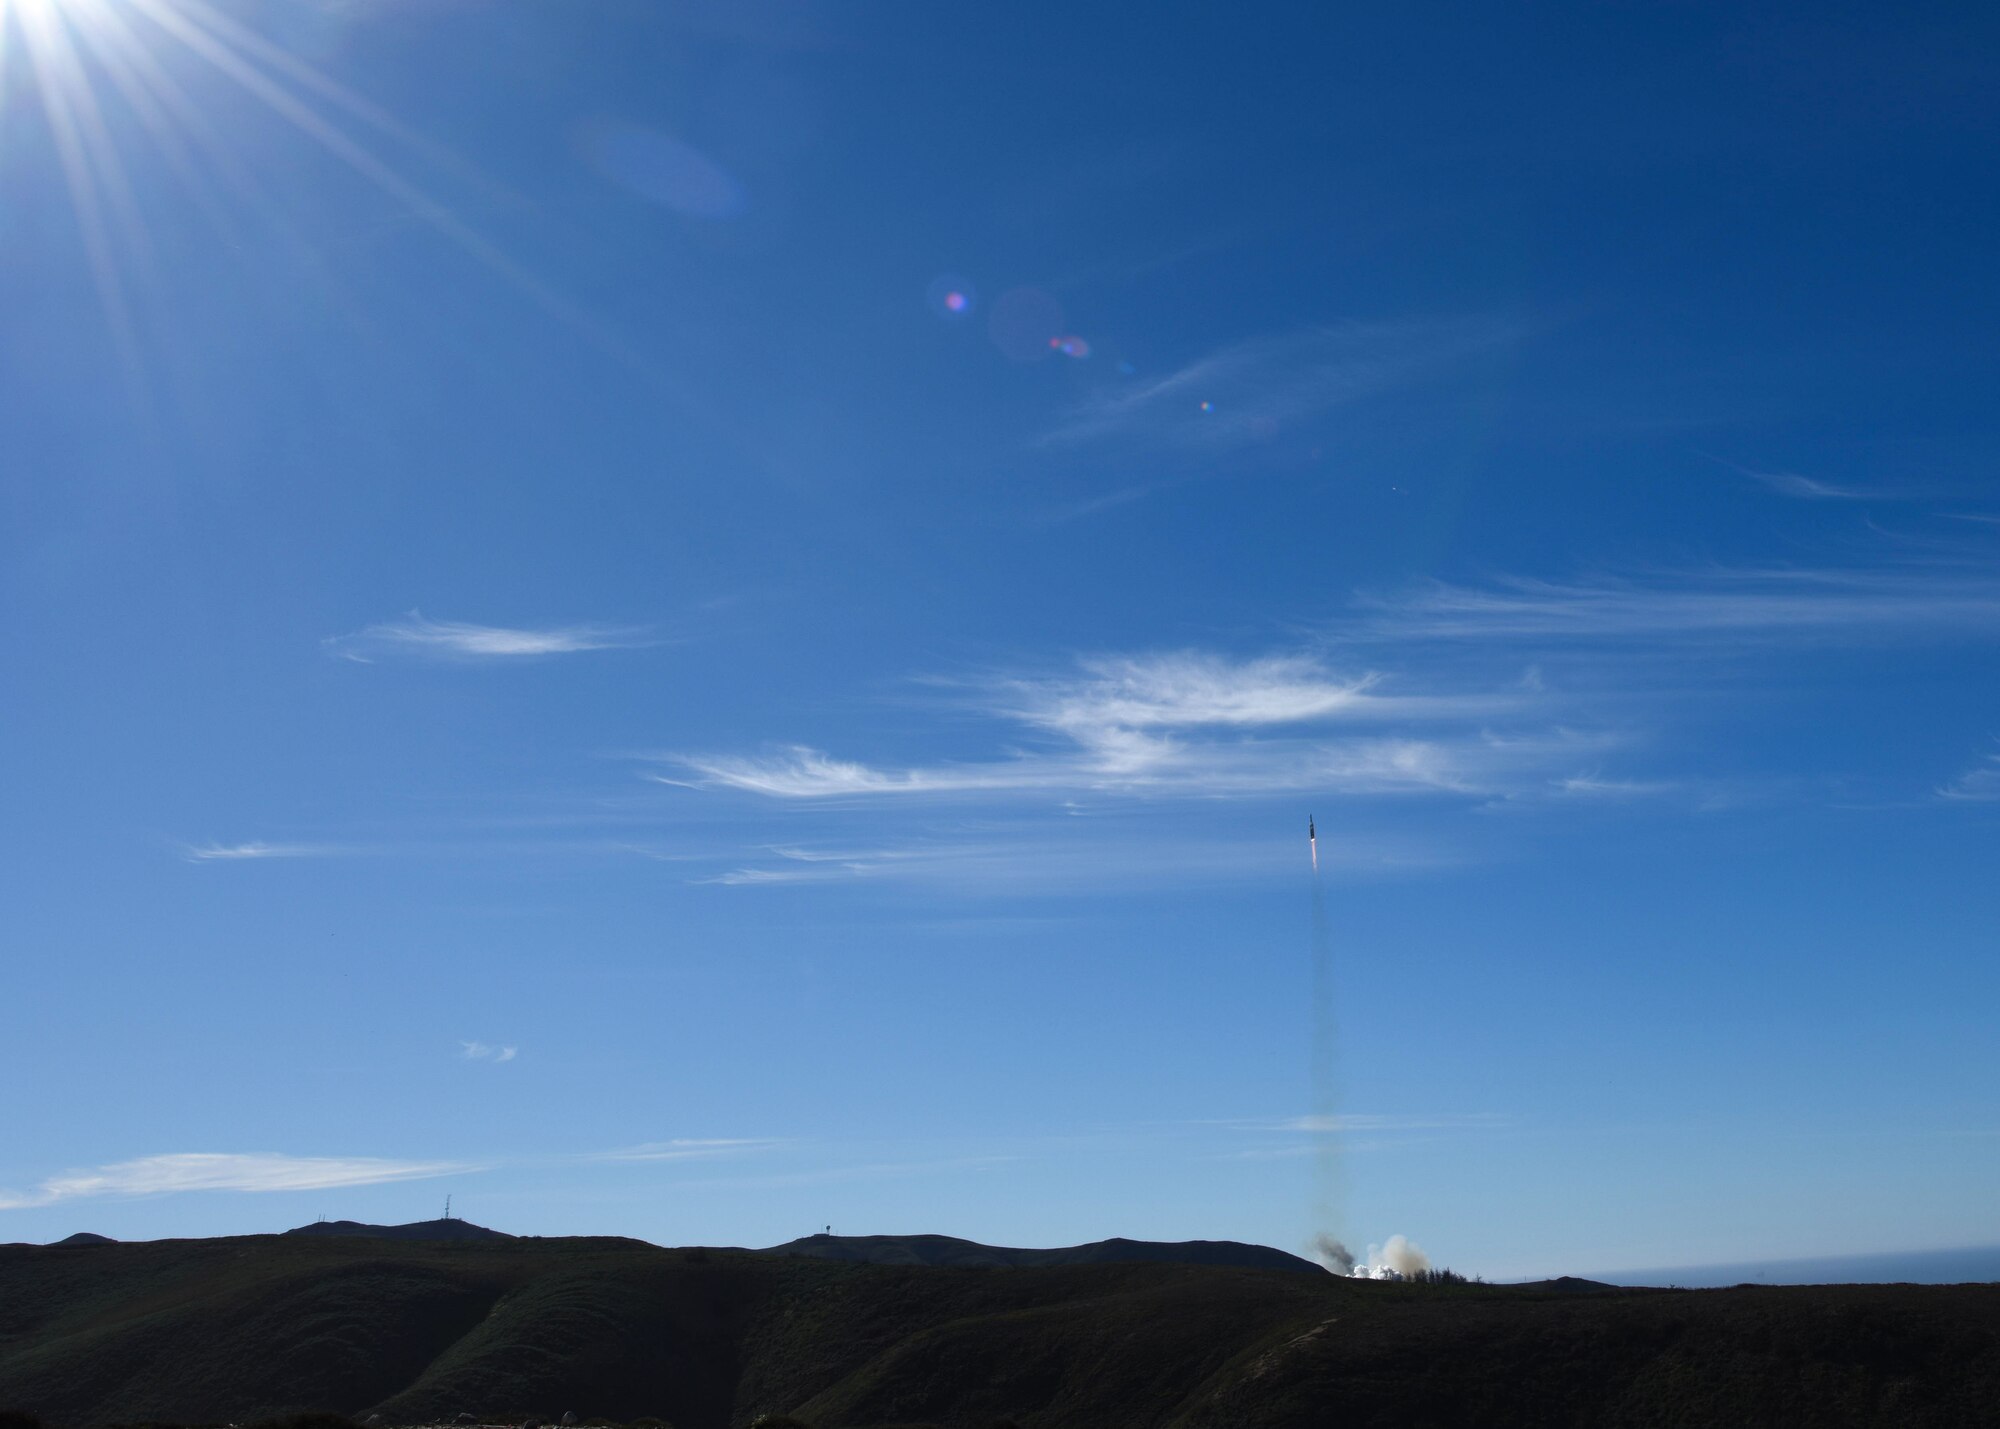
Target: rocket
{"type": "Point", "coordinates": [1312, 841]}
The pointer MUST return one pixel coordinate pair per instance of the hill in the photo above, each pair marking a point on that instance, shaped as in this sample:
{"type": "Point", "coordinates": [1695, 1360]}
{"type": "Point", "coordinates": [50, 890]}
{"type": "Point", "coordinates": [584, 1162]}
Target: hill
{"type": "Point", "coordinates": [86, 1238]}
{"type": "Point", "coordinates": [949, 1250]}
{"type": "Point", "coordinates": [415, 1230]}
{"type": "Point", "coordinates": [230, 1330]}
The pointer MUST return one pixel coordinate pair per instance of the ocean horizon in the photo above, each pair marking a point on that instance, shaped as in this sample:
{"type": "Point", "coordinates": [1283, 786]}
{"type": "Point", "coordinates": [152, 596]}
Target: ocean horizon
{"type": "Point", "coordinates": [1913, 1267]}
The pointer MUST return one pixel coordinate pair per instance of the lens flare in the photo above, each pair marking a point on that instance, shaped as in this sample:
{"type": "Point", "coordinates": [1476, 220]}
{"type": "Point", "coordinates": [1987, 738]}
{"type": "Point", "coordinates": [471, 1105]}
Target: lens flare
{"type": "Point", "coordinates": [950, 296]}
{"type": "Point", "coordinates": [1069, 346]}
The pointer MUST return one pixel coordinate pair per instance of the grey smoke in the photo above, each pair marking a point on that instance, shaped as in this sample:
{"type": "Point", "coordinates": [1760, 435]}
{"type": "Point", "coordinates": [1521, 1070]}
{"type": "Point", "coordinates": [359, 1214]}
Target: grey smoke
{"type": "Point", "coordinates": [1398, 1258]}
{"type": "Point", "coordinates": [1333, 1255]}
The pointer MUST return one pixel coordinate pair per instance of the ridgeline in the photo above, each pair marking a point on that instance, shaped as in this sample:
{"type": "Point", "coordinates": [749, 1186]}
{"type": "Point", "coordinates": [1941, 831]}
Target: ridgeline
{"type": "Point", "coordinates": [420, 1330]}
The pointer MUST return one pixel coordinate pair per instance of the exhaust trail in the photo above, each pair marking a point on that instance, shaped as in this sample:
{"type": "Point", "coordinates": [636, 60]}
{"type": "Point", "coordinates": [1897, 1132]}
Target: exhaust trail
{"type": "Point", "coordinates": [1401, 1258]}
{"type": "Point", "coordinates": [1329, 1185]}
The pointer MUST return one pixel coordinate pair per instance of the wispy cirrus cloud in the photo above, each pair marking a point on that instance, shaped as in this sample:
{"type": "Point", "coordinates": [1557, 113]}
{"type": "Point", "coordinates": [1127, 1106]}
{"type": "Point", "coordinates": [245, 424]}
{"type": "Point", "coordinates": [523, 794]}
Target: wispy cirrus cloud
{"type": "Point", "coordinates": [1595, 786]}
{"type": "Point", "coordinates": [805, 773]}
{"type": "Point", "coordinates": [274, 1172]}
{"type": "Point", "coordinates": [1250, 391]}
{"type": "Point", "coordinates": [1112, 698]}
{"type": "Point", "coordinates": [1978, 785]}
{"type": "Point", "coordinates": [1520, 694]}
{"type": "Point", "coordinates": [1187, 723]}
{"type": "Point", "coordinates": [1284, 1138]}
{"type": "Point", "coordinates": [1471, 764]}
{"type": "Point", "coordinates": [1418, 693]}
{"type": "Point", "coordinates": [1372, 1121]}
{"type": "Point", "coordinates": [254, 849]}
{"type": "Point", "coordinates": [204, 1171]}
{"type": "Point", "coordinates": [1069, 859]}
{"type": "Point", "coordinates": [868, 1171]}
{"type": "Point", "coordinates": [416, 636]}
{"type": "Point", "coordinates": [1845, 604]}
{"type": "Point", "coordinates": [485, 1052]}
{"type": "Point", "coordinates": [690, 1148]}
{"type": "Point", "coordinates": [1803, 488]}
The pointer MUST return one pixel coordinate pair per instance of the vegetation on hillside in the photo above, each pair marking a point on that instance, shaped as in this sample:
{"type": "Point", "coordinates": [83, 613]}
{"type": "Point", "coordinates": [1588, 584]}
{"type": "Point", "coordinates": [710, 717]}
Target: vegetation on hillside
{"type": "Point", "coordinates": [236, 1331]}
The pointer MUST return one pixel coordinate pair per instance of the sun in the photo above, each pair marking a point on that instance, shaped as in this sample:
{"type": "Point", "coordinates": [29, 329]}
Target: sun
{"type": "Point", "coordinates": [123, 83]}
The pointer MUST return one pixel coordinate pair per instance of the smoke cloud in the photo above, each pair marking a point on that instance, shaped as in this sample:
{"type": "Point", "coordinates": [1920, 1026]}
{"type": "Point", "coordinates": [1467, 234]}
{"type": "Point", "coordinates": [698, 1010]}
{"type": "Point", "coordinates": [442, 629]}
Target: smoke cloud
{"type": "Point", "coordinates": [1333, 1255]}
{"type": "Point", "coordinates": [1398, 1259]}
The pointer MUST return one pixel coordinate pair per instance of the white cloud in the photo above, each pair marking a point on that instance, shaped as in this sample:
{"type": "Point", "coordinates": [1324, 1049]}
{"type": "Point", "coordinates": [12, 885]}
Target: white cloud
{"type": "Point", "coordinates": [872, 1171]}
{"type": "Point", "coordinates": [1804, 488]}
{"type": "Point", "coordinates": [1130, 763]}
{"type": "Point", "coordinates": [1117, 696]}
{"type": "Point", "coordinates": [417, 636]}
{"type": "Point", "coordinates": [1253, 390]}
{"type": "Point", "coordinates": [803, 773]}
{"type": "Point", "coordinates": [255, 849]}
{"type": "Point", "coordinates": [481, 1052]}
{"type": "Point", "coordinates": [1069, 856]}
{"type": "Point", "coordinates": [1457, 719]}
{"type": "Point", "coordinates": [1294, 1137]}
{"type": "Point", "coordinates": [1980, 784]}
{"type": "Point", "coordinates": [687, 1148]}
{"type": "Point", "coordinates": [1790, 483]}
{"type": "Point", "coordinates": [755, 877]}
{"type": "Point", "coordinates": [1595, 786]}
{"type": "Point", "coordinates": [1185, 723]}
{"type": "Point", "coordinates": [1745, 603]}
{"type": "Point", "coordinates": [1367, 1121]}
{"type": "Point", "coordinates": [200, 1171]}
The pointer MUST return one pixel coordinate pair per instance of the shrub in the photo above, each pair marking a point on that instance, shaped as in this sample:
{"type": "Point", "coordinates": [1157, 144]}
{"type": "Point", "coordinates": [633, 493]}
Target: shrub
{"type": "Point", "coordinates": [1439, 1276]}
{"type": "Point", "coordinates": [310, 1419]}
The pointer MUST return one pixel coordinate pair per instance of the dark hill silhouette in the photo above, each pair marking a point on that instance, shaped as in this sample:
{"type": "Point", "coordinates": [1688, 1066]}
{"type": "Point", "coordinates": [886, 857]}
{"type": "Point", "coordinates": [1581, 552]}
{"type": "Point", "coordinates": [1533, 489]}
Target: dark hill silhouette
{"type": "Point", "coordinates": [85, 1238]}
{"type": "Point", "coordinates": [415, 1230]}
{"type": "Point", "coordinates": [240, 1329]}
{"type": "Point", "coordinates": [949, 1250]}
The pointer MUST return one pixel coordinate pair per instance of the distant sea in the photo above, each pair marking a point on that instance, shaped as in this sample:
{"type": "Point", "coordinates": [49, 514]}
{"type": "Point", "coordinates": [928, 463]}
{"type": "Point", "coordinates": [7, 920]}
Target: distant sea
{"type": "Point", "coordinates": [1917, 1267]}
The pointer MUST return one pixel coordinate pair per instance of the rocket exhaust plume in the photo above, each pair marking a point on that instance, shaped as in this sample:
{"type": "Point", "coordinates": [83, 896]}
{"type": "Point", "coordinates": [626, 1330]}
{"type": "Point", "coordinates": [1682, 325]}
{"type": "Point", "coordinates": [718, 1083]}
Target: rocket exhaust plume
{"type": "Point", "coordinates": [1325, 1082]}
{"type": "Point", "coordinates": [1398, 1259]}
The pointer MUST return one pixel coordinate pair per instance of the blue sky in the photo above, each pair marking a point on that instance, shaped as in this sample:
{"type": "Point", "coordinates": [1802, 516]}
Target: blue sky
{"type": "Point", "coordinates": [701, 620]}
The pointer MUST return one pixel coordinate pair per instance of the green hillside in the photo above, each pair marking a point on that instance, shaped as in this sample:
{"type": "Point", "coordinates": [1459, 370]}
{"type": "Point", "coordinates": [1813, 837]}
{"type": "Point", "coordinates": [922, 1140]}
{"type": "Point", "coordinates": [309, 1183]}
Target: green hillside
{"type": "Point", "coordinates": [221, 1331]}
